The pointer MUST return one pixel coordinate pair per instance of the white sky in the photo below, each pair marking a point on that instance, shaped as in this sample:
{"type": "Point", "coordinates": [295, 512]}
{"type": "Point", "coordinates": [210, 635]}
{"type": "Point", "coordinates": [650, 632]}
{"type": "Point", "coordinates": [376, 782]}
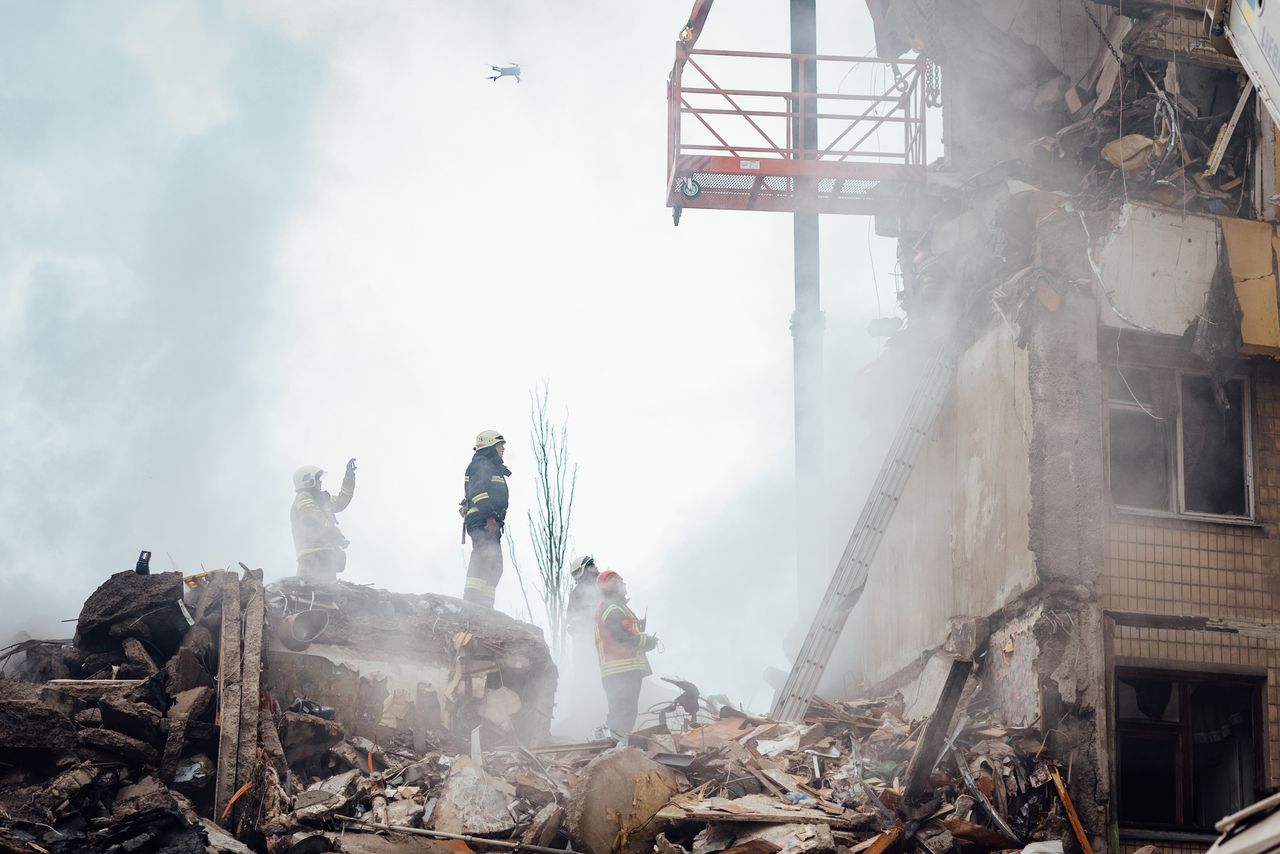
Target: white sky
{"type": "Point", "coordinates": [243, 236]}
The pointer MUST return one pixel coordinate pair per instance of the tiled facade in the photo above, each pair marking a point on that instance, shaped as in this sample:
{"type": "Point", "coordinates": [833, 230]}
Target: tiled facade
{"type": "Point", "coordinates": [1193, 568]}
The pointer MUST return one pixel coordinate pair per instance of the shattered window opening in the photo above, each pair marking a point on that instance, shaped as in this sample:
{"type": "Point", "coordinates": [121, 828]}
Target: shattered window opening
{"type": "Point", "coordinates": [1172, 449]}
{"type": "Point", "coordinates": [1185, 770]}
{"type": "Point", "coordinates": [1213, 446]}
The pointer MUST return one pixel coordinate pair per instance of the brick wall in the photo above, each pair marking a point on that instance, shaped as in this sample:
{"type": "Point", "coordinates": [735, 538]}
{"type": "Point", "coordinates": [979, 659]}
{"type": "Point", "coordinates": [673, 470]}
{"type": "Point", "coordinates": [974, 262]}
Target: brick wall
{"type": "Point", "coordinates": [1203, 569]}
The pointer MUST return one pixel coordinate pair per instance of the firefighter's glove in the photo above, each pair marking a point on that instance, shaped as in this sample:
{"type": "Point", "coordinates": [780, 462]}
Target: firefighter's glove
{"type": "Point", "coordinates": [351, 467]}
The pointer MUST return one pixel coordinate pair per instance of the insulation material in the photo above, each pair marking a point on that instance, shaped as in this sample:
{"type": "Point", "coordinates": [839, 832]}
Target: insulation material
{"type": "Point", "coordinates": [1157, 264]}
{"type": "Point", "coordinates": [1250, 248]}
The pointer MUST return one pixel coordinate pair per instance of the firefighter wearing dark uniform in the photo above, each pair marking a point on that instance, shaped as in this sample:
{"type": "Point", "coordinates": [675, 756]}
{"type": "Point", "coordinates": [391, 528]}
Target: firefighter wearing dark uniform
{"type": "Point", "coordinates": [319, 544]}
{"type": "Point", "coordinates": [621, 644]}
{"type": "Point", "coordinates": [484, 514]}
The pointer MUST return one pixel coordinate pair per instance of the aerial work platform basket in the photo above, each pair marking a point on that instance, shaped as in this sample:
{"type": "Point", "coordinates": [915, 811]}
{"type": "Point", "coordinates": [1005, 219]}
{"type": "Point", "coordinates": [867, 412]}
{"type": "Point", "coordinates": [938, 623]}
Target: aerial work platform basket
{"type": "Point", "coordinates": [847, 146]}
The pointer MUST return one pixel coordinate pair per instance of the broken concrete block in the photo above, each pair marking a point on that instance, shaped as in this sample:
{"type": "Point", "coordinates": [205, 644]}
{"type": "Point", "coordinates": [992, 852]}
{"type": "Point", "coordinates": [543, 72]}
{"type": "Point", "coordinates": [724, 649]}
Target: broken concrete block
{"type": "Point", "coordinates": [473, 803]}
{"type": "Point", "coordinates": [544, 826]}
{"type": "Point", "coordinates": [133, 719]}
{"type": "Point", "coordinates": [499, 707]}
{"type": "Point", "coordinates": [305, 737]}
{"type": "Point", "coordinates": [966, 636]}
{"type": "Point", "coordinates": [146, 794]}
{"type": "Point", "coordinates": [68, 784]}
{"type": "Point", "coordinates": [88, 717]}
{"type": "Point", "coordinates": [195, 703]}
{"type": "Point", "coordinates": [138, 663]}
{"type": "Point", "coordinates": [220, 842]}
{"type": "Point", "coordinates": [117, 744]}
{"type": "Point", "coordinates": [404, 814]}
{"type": "Point", "coordinates": [28, 724]}
{"type": "Point", "coordinates": [191, 665]}
{"type": "Point", "coordinates": [615, 797]}
{"type": "Point", "coordinates": [144, 606]}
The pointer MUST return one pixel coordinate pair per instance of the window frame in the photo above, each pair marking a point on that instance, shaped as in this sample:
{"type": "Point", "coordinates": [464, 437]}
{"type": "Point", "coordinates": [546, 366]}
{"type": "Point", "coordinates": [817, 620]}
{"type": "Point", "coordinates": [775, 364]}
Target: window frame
{"type": "Point", "coordinates": [1183, 681]}
{"type": "Point", "coordinates": [1246, 423]}
{"type": "Point", "coordinates": [1175, 508]}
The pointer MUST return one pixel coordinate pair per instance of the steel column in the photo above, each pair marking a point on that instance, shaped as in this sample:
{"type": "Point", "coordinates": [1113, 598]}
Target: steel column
{"type": "Point", "coordinates": [807, 327]}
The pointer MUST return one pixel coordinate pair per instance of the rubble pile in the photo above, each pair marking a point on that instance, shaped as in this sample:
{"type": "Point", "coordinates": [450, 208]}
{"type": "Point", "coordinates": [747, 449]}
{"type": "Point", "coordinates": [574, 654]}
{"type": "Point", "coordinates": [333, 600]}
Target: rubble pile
{"type": "Point", "coordinates": [1167, 133]}
{"type": "Point", "coordinates": [197, 754]}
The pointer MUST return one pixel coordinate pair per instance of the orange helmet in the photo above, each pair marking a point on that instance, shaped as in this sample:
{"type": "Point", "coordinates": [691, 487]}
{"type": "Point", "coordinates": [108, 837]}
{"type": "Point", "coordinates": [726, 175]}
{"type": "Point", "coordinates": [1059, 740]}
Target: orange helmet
{"type": "Point", "coordinates": [608, 579]}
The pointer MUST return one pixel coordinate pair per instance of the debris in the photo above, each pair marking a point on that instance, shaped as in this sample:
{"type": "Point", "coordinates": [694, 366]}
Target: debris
{"type": "Point", "coordinates": [133, 719]}
{"type": "Point", "coordinates": [118, 745]}
{"type": "Point", "coordinates": [1081, 836]}
{"type": "Point", "coordinates": [931, 740]}
{"type": "Point", "coordinates": [1131, 153]}
{"type": "Point", "coordinates": [305, 736]}
{"type": "Point", "coordinates": [545, 825]}
{"type": "Point", "coordinates": [128, 605]}
{"type": "Point", "coordinates": [28, 725]}
{"type": "Point", "coordinates": [472, 802]}
{"type": "Point", "coordinates": [613, 800]}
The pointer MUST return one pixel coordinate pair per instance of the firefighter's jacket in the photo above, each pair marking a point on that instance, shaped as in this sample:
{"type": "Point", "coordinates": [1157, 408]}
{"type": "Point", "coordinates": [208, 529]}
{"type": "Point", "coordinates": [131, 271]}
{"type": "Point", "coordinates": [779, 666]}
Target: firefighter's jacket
{"type": "Point", "coordinates": [315, 527]}
{"type": "Point", "coordinates": [485, 490]}
{"type": "Point", "coordinates": [620, 643]}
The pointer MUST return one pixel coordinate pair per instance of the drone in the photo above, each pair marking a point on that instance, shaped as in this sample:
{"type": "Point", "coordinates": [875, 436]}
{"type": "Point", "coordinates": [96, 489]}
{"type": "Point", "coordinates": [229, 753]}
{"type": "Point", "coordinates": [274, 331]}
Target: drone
{"type": "Point", "coordinates": [512, 70]}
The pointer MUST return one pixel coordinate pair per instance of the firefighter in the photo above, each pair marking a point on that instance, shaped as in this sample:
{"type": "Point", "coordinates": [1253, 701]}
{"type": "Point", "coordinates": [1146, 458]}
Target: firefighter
{"type": "Point", "coordinates": [581, 611]}
{"type": "Point", "coordinates": [484, 514]}
{"type": "Point", "coordinates": [320, 546]}
{"type": "Point", "coordinates": [583, 598]}
{"type": "Point", "coordinates": [621, 644]}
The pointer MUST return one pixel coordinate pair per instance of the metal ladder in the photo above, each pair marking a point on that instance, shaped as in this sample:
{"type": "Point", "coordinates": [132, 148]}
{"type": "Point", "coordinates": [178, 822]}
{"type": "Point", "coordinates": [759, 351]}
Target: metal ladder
{"type": "Point", "coordinates": [851, 573]}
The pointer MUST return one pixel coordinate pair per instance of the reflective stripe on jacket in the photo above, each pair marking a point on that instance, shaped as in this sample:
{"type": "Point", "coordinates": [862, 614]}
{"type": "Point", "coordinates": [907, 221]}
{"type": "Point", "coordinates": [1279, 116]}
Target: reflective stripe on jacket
{"type": "Point", "coordinates": [485, 489]}
{"type": "Point", "coordinates": [620, 644]}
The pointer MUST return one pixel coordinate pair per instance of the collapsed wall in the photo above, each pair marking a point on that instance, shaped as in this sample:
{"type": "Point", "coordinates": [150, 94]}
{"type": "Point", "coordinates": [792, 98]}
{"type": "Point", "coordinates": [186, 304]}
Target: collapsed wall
{"type": "Point", "coordinates": [1068, 128]}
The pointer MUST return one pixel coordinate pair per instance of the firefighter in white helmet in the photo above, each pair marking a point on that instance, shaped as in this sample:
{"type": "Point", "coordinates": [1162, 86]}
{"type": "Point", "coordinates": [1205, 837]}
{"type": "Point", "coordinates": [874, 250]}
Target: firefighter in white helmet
{"type": "Point", "coordinates": [484, 515]}
{"type": "Point", "coordinates": [320, 546]}
{"type": "Point", "coordinates": [584, 598]}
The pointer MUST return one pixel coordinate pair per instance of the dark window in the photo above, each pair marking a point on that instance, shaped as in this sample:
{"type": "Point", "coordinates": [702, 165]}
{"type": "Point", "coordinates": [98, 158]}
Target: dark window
{"type": "Point", "coordinates": [1213, 448]}
{"type": "Point", "coordinates": [1139, 460]}
{"type": "Point", "coordinates": [1177, 446]}
{"type": "Point", "coordinates": [1187, 752]}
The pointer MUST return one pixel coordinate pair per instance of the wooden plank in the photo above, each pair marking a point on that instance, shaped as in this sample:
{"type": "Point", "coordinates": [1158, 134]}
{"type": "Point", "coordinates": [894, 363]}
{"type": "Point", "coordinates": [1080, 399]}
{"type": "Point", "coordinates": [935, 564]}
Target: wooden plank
{"type": "Point", "coordinates": [1081, 836]}
{"type": "Point", "coordinates": [890, 840]}
{"type": "Point", "coordinates": [673, 812]}
{"type": "Point", "coordinates": [228, 699]}
{"type": "Point", "coordinates": [255, 617]}
{"type": "Point", "coordinates": [929, 747]}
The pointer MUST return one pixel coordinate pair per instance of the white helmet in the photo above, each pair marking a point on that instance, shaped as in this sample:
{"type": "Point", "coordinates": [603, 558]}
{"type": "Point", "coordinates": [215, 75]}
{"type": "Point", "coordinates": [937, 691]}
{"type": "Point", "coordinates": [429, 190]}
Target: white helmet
{"type": "Point", "coordinates": [488, 439]}
{"type": "Point", "coordinates": [580, 565]}
{"type": "Point", "coordinates": [307, 477]}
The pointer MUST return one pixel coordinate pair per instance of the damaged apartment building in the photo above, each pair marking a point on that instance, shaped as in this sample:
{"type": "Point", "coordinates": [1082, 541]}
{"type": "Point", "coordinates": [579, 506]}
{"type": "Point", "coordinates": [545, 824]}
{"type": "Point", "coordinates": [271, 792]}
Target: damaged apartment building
{"type": "Point", "coordinates": [1100, 494]}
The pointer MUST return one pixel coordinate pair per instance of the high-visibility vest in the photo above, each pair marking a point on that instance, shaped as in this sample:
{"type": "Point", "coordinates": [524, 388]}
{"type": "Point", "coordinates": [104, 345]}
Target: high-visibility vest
{"type": "Point", "coordinates": [620, 655]}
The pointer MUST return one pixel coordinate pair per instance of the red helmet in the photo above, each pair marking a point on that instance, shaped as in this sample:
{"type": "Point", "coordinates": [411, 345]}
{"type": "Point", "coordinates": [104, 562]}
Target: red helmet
{"type": "Point", "coordinates": [608, 579]}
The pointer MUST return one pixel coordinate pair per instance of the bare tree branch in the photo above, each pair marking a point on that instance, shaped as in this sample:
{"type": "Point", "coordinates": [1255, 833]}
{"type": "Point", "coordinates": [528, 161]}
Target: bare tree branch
{"type": "Point", "coordinates": [554, 491]}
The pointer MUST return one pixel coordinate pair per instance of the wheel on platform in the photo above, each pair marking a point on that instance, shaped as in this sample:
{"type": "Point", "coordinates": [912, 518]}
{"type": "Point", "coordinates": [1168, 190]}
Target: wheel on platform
{"type": "Point", "coordinates": [690, 188]}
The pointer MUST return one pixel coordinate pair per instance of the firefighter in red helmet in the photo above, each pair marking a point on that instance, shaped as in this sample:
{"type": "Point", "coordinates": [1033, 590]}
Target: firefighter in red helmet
{"type": "Point", "coordinates": [621, 644]}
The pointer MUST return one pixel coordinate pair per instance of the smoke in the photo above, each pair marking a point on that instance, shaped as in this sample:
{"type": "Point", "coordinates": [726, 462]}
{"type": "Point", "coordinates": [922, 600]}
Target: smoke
{"type": "Point", "coordinates": [247, 237]}
{"type": "Point", "coordinates": [142, 217]}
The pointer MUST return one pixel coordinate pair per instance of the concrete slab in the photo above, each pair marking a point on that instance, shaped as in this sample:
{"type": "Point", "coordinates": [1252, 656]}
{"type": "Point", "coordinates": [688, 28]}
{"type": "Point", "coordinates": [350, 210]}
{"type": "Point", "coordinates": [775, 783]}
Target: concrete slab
{"type": "Point", "coordinates": [614, 799]}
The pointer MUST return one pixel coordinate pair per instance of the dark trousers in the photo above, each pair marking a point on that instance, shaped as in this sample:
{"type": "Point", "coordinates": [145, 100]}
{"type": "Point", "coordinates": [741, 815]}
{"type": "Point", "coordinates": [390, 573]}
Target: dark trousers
{"type": "Point", "coordinates": [485, 568]}
{"type": "Point", "coordinates": [322, 567]}
{"type": "Point", "coordinates": [622, 690]}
